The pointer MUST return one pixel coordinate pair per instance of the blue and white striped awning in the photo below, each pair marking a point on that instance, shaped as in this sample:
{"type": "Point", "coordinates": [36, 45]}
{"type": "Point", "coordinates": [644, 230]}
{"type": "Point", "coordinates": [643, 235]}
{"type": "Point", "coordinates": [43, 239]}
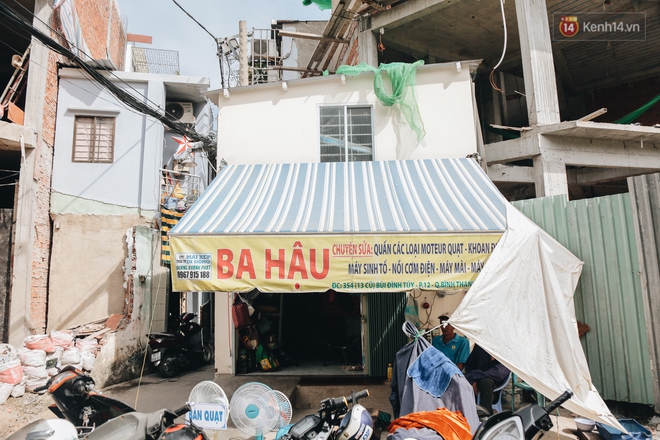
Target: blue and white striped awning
{"type": "Point", "coordinates": [413, 196]}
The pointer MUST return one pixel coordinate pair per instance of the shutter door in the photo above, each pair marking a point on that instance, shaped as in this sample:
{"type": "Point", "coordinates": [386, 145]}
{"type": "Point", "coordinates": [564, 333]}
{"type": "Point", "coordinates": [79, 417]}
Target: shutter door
{"type": "Point", "coordinates": [385, 317]}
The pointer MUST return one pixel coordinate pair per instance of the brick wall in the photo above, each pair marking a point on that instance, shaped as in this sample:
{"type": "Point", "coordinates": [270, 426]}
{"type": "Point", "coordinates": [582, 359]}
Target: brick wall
{"type": "Point", "coordinates": [93, 16]}
{"type": "Point", "coordinates": [96, 17]}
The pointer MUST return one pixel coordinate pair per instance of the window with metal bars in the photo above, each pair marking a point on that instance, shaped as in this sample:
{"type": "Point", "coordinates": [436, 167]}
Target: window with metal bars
{"type": "Point", "coordinates": [93, 139]}
{"type": "Point", "coordinates": [346, 134]}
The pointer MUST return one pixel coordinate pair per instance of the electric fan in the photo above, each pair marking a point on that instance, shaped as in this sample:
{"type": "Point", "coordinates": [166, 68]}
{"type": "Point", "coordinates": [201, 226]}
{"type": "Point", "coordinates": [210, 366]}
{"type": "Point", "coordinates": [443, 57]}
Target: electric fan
{"type": "Point", "coordinates": [255, 409]}
{"type": "Point", "coordinates": [208, 392]}
{"type": "Point", "coordinates": [285, 410]}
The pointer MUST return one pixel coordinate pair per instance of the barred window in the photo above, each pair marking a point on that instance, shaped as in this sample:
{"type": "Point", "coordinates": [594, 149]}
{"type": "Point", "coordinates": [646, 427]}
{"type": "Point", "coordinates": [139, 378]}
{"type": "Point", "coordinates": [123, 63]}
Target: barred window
{"type": "Point", "coordinates": [346, 134]}
{"type": "Point", "coordinates": [93, 139]}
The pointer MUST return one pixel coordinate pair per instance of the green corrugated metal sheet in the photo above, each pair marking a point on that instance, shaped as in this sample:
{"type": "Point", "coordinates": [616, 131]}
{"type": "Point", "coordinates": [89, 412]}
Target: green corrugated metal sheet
{"type": "Point", "coordinates": [385, 318]}
{"type": "Point", "coordinates": [600, 232]}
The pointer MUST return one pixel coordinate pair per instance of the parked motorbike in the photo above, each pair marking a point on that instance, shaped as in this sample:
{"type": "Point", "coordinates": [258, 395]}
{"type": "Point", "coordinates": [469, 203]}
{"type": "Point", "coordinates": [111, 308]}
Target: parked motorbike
{"type": "Point", "coordinates": [524, 424]}
{"type": "Point", "coordinates": [356, 423]}
{"type": "Point", "coordinates": [158, 425]}
{"type": "Point", "coordinates": [78, 402]}
{"type": "Point", "coordinates": [170, 353]}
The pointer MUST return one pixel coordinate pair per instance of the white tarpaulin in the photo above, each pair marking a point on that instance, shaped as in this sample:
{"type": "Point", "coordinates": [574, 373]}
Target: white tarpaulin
{"type": "Point", "coordinates": [520, 310]}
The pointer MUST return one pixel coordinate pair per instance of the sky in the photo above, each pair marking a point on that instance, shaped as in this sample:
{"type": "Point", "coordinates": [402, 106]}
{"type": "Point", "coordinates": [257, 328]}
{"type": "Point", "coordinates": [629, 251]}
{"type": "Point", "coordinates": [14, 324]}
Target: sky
{"type": "Point", "coordinates": [172, 29]}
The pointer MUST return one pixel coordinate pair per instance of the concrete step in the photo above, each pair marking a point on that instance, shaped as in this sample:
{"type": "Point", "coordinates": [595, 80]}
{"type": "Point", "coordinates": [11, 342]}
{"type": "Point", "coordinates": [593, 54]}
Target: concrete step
{"type": "Point", "coordinates": [308, 395]}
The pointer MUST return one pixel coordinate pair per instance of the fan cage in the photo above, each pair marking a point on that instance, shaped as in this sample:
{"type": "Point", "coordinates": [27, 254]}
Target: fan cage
{"type": "Point", "coordinates": [286, 412]}
{"type": "Point", "coordinates": [208, 392]}
{"type": "Point", "coordinates": [251, 397]}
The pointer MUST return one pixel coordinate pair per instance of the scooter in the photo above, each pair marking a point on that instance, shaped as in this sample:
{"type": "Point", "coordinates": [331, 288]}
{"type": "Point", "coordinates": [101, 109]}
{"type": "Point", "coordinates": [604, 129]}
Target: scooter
{"type": "Point", "coordinates": [158, 425]}
{"type": "Point", "coordinates": [171, 353]}
{"type": "Point", "coordinates": [78, 402]}
{"type": "Point", "coordinates": [356, 423]}
{"type": "Point", "coordinates": [524, 424]}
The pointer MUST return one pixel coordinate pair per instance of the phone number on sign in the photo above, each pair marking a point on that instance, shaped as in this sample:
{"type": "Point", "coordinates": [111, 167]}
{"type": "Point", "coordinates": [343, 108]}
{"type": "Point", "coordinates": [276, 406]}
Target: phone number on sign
{"type": "Point", "coordinates": [193, 274]}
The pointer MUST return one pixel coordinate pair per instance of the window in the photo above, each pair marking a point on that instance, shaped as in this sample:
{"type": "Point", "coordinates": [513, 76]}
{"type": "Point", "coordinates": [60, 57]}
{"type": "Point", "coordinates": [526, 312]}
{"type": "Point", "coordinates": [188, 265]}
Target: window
{"type": "Point", "coordinates": [346, 134]}
{"type": "Point", "coordinates": [93, 139]}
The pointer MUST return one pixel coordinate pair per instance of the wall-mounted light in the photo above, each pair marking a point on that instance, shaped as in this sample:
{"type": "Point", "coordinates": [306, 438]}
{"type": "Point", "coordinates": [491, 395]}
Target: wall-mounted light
{"type": "Point", "coordinates": [285, 86]}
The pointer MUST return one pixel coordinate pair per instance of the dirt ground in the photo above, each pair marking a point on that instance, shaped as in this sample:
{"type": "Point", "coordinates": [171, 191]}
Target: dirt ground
{"type": "Point", "coordinates": [17, 412]}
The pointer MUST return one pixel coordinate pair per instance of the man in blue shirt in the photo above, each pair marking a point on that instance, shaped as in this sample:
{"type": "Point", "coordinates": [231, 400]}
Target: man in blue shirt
{"type": "Point", "coordinates": [455, 347]}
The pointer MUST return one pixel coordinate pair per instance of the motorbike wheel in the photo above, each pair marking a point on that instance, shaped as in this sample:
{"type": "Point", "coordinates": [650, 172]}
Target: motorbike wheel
{"type": "Point", "coordinates": [207, 354]}
{"type": "Point", "coordinates": [167, 367]}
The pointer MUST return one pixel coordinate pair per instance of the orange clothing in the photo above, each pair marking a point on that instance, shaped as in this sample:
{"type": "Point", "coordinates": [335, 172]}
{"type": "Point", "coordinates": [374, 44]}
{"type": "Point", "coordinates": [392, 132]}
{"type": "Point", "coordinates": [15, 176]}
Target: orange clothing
{"type": "Point", "coordinates": [450, 425]}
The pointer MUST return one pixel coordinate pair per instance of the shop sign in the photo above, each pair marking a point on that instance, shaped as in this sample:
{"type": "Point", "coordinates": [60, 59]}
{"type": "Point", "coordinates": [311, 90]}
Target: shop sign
{"type": "Point", "coordinates": [316, 263]}
{"type": "Point", "coordinates": [208, 416]}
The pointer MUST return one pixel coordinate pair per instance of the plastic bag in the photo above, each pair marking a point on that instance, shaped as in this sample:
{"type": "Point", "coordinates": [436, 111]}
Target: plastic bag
{"type": "Point", "coordinates": [18, 390]}
{"type": "Point", "coordinates": [70, 356]}
{"type": "Point", "coordinates": [35, 372]}
{"type": "Point", "coordinates": [265, 359]}
{"type": "Point", "coordinates": [40, 342]}
{"type": "Point", "coordinates": [61, 339]}
{"type": "Point", "coordinates": [7, 353]}
{"type": "Point", "coordinates": [88, 359]}
{"type": "Point", "coordinates": [411, 311]}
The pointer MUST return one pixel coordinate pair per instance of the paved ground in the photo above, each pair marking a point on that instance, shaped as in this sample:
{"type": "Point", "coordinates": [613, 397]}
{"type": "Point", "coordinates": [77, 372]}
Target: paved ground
{"type": "Point", "coordinates": [153, 393]}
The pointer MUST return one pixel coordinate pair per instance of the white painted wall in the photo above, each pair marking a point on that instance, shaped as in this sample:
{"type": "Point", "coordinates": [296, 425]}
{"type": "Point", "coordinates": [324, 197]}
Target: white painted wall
{"type": "Point", "coordinates": [266, 124]}
{"type": "Point", "coordinates": [132, 180]}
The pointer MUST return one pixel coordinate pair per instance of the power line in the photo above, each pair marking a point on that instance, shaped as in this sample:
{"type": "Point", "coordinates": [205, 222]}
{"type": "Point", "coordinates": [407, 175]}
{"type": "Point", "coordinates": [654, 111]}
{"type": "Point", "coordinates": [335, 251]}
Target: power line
{"type": "Point", "coordinates": [121, 94]}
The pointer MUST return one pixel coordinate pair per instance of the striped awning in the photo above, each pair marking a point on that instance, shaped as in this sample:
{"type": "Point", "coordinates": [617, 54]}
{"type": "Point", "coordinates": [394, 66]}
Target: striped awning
{"type": "Point", "coordinates": [413, 196]}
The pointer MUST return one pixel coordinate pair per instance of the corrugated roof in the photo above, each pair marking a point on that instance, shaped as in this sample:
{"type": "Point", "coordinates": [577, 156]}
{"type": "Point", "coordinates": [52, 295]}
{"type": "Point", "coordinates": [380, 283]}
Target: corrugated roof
{"type": "Point", "coordinates": [431, 195]}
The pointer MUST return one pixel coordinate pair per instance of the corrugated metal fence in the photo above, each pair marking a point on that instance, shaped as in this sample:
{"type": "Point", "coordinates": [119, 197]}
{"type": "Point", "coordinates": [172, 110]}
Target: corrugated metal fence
{"type": "Point", "coordinates": [600, 232]}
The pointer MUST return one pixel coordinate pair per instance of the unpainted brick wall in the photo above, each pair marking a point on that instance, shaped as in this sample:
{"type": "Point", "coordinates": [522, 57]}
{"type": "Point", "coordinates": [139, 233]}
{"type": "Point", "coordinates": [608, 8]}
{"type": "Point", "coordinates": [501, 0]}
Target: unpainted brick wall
{"type": "Point", "coordinates": [96, 18]}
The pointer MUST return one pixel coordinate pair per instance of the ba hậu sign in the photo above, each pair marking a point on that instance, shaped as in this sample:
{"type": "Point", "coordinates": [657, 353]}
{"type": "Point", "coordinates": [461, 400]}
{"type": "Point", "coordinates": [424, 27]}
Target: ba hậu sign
{"type": "Point", "coordinates": [347, 263]}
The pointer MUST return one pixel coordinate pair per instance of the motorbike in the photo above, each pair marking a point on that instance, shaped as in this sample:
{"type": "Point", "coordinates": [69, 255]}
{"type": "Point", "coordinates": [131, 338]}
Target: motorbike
{"type": "Point", "coordinates": [356, 423]}
{"type": "Point", "coordinates": [170, 353]}
{"type": "Point", "coordinates": [158, 425]}
{"type": "Point", "coordinates": [524, 424]}
{"type": "Point", "coordinates": [78, 402]}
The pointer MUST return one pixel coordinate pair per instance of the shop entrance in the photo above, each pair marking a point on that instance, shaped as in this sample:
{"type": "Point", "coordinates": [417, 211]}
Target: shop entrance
{"type": "Point", "coordinates": [308, 333]}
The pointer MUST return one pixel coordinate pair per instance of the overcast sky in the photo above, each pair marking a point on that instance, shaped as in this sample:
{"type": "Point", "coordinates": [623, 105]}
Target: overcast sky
{"type": "Point", "coordinates": [172, 29]}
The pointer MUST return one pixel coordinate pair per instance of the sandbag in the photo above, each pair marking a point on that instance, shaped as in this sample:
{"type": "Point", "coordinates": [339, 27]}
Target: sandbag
{"type": "Point", "coordinates": [5, 392]}
{"type": "Point", "coordinates": [52, 371]}
{"type": "Point", "coordinates": [70, 356]}
{"type": "Point", "coordinates": [39, 342]}
{"type": "Point", "coordinates": [18, 390]}
{"type": "Point", "coordinates": [33, 384]}
{"type": "Point", "coordinates": [88, 359]}
{"type": "Point", "coordinates": [7, 353]}
{"type": "Point", "coordinates": [53, 359]}
{"type": "Point", "coordinates": [33, 358]}
{"type": "Point", "coordinates": [87, 345]}
{"type": "Point", "coordinates": [35, 372]}
{"type": "Point", "coordinates": [61, 339]}
{"type": "Point", "coordinates": [12, 373]}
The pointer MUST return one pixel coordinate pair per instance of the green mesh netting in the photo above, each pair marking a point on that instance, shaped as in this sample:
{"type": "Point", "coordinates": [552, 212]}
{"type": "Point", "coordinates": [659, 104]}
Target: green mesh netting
{"type": "Point", "coordinates": [402, 77]}
{"type": "Point", "coordinates": [322, 4]}
{"type": "Point", "coordinates": [632, 116]}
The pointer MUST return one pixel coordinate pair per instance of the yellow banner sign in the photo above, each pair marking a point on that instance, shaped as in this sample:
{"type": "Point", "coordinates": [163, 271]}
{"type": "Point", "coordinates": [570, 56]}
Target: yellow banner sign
{"type": "Point", "coordinates": [345, 263]}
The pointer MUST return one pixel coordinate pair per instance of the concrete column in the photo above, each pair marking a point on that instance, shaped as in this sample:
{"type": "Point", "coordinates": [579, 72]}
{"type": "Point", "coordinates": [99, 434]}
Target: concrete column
{"type": "Point", "coordinates": [368, 48]}
{"type": "Point", "coordinates": [243, 60]}
{"type": "Point", "coordinates": [549, 177]}
{"type": "Point", "coordinates": [225, 352]}
{"type": "Point", "coordinates": [538, 65]}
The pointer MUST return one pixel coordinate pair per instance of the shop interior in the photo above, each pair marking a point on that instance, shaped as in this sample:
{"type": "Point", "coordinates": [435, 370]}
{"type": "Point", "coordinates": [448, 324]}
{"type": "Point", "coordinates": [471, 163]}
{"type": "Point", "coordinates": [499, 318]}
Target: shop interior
{"type": "Point", "coordinates": [309, 334]}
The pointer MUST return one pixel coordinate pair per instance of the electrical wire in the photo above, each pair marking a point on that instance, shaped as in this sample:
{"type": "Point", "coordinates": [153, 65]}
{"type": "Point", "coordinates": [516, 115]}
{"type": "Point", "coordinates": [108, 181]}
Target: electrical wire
{"type": "Point", "coordinates": [129, 99]}
{"type": "Point", "coordinates": [492, 72]}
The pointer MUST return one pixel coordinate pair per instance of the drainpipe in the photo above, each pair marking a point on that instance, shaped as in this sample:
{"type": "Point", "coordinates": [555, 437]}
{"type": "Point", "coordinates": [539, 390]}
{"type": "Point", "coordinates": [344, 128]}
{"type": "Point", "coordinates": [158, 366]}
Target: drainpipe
{"type": "Point", "coordinates": [243, 60]}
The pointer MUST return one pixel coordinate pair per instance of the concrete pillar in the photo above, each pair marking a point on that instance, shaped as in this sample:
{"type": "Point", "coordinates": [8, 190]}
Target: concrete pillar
{"type": "Point", "coordinates": [368, 48]}
{"type": "Point", "coordinates": [225, 352]}
{"type": "Point", "coordinates": [538, 65]}
{"type": "Point", "coordinates": [549, 177]}
{"type": "Point", "coordinates": [243, 60]}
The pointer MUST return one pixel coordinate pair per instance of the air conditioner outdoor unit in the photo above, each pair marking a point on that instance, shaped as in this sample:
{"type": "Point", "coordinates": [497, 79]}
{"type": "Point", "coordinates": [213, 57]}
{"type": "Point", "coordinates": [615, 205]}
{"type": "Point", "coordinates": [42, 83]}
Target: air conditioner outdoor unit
{"type": "Point", "coordinates": [264, 48]}
{"type": "Point", "coordinates": [183, 111]}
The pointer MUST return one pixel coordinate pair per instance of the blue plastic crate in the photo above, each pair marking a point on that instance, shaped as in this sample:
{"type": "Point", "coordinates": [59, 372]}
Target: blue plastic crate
{"type": "Point", "coordinates": [636, 430]}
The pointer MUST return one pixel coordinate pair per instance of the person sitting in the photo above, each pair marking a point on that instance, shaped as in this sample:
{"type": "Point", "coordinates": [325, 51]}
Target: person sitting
{"type": "Point", "coordinates": [485, 373]}
{"type": "Point", "coordinates": [455, 347]}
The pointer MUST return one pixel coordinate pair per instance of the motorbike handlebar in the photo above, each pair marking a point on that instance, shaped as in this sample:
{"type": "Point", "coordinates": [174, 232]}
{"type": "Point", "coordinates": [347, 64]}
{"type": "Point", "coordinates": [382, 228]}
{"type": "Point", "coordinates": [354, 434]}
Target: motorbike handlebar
{"type": "Point", "coordinates": [181, 411]}
{"type": "Point", "coordinates": [41, 388]}
{"type": "Point", "coordinates": [354, 397]}
{"type": "Point", "coordinates": [558, 401]}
